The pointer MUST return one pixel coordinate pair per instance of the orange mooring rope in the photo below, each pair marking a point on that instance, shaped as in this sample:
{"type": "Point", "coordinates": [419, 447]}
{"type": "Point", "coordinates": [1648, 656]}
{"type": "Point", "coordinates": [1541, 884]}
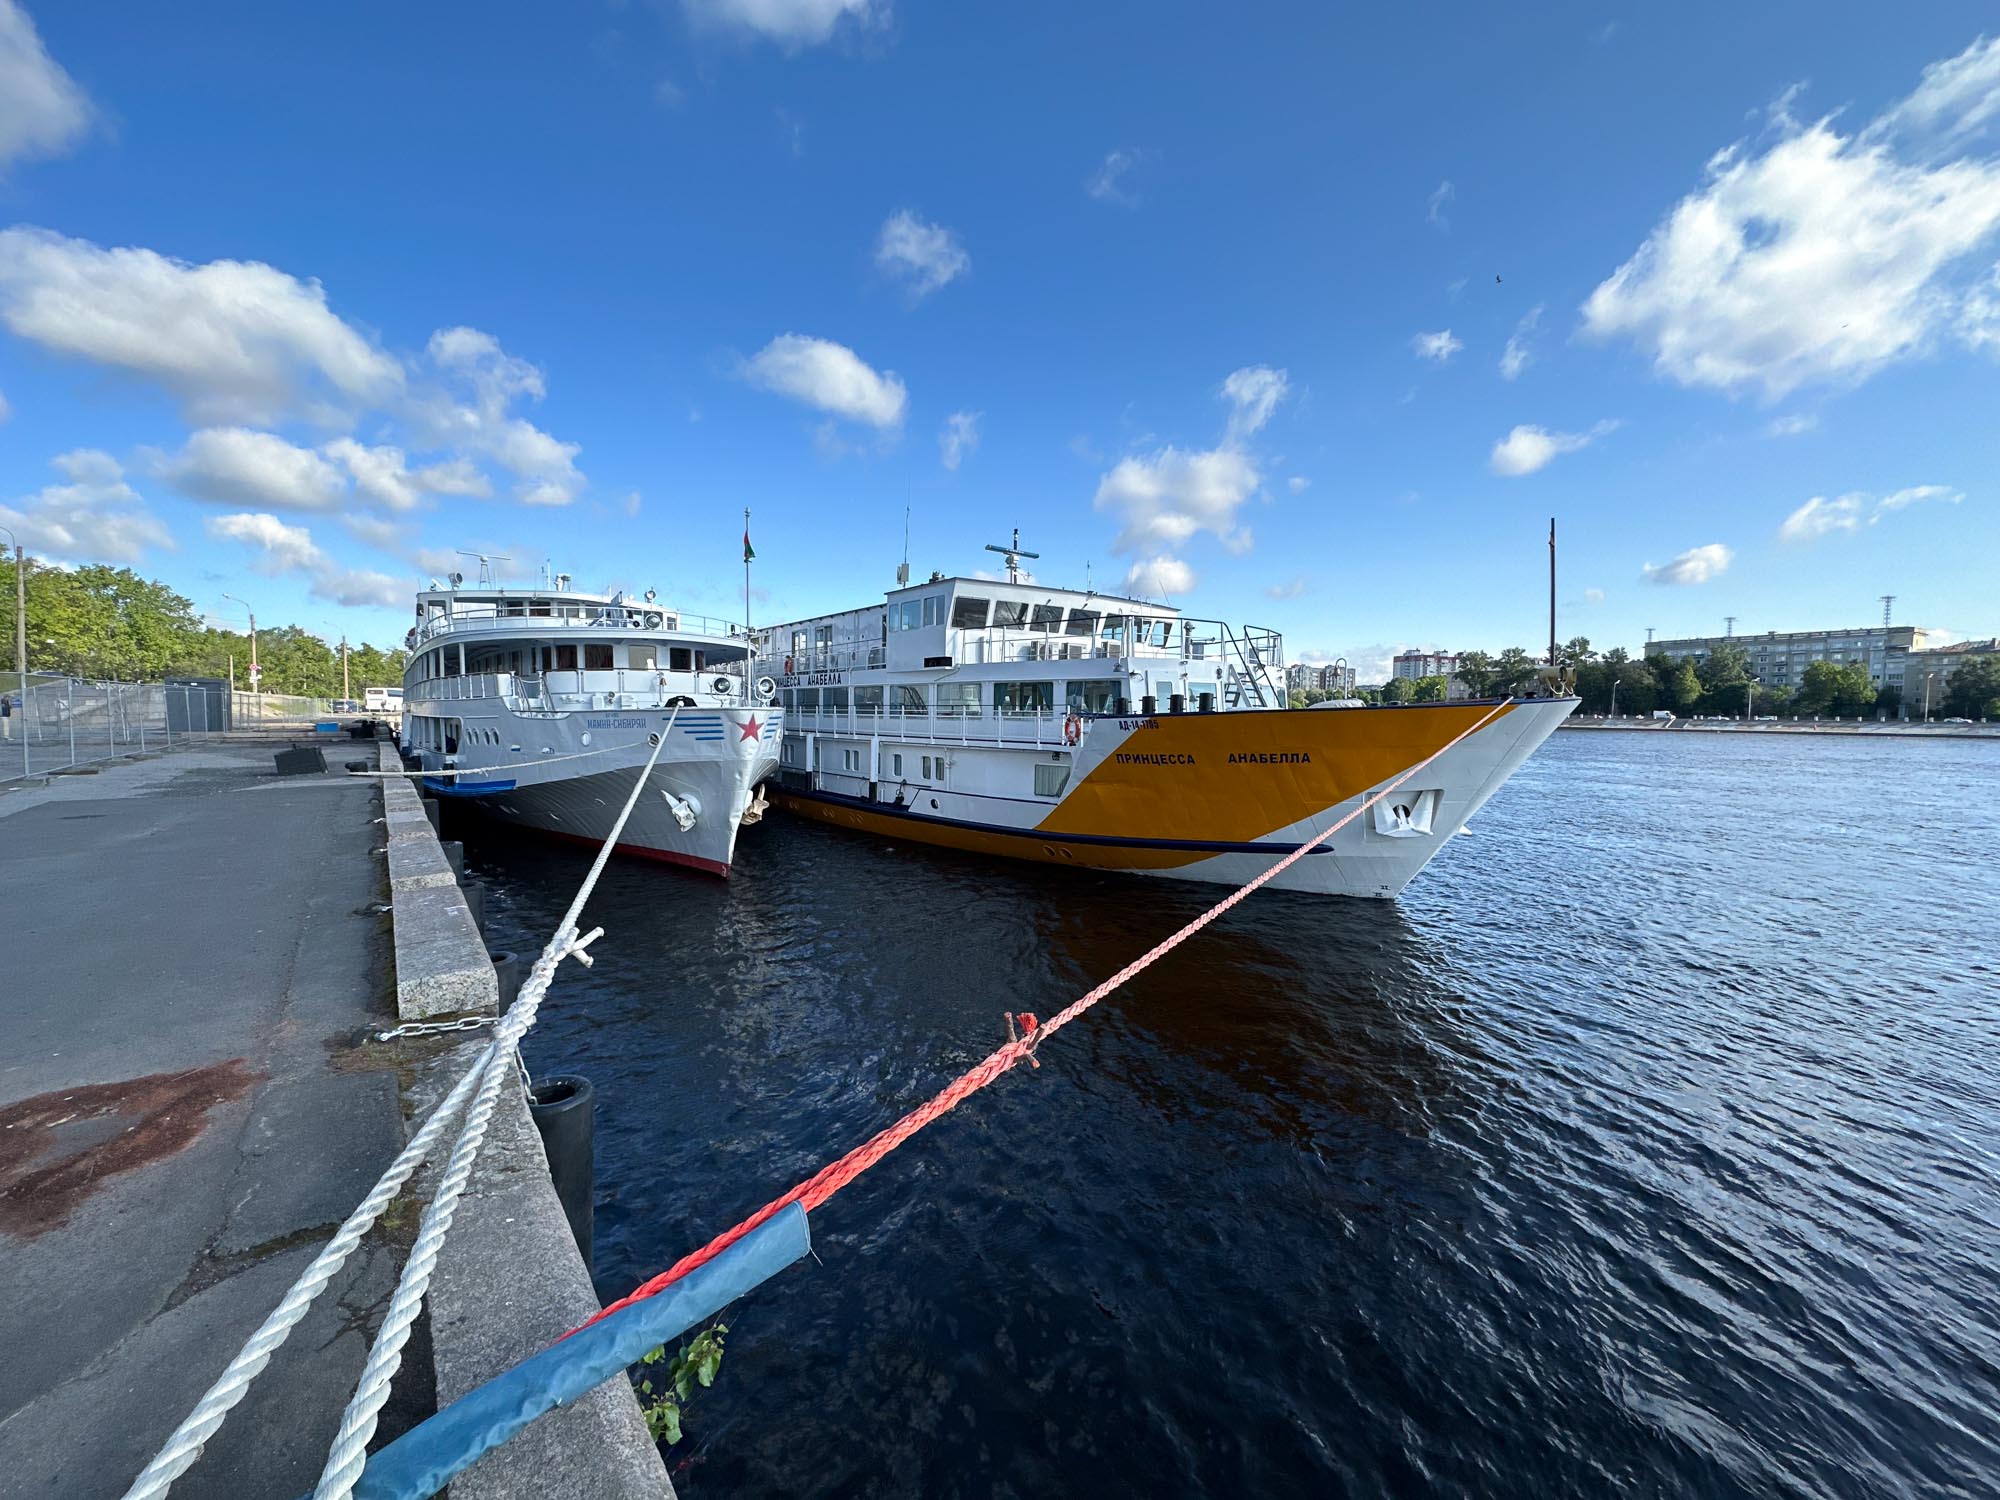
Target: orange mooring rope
{"type": "Point", "coordinates": [836, 1175]}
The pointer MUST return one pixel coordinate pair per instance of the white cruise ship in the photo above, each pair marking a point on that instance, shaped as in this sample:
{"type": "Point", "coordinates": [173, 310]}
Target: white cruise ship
{"type": "Point", "coordinates": [546, 703]}
{"type": "Point", "coordinates": [1079, 728]}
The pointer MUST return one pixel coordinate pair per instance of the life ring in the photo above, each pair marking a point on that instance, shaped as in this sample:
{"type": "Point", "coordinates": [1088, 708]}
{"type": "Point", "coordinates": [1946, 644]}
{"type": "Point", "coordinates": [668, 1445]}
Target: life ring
{"type": "Point", "coordinates": [653, 619]}
{"type": "Point", "coordinates": [1072, 729]}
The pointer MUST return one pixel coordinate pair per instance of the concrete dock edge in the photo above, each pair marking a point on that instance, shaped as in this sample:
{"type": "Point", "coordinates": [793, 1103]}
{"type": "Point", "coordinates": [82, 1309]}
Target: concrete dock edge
{"type": "Point", "coordinates": [509, 1280]}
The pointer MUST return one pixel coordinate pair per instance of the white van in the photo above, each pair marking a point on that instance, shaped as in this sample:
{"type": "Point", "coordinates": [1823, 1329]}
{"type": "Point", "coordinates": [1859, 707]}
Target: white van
{"type": "Point", "coordinates": [382, 700]}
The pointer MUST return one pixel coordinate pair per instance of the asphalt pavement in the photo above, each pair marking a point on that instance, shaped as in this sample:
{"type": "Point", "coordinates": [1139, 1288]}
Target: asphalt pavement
{"type": "Point", "coordinates": [189, 949]}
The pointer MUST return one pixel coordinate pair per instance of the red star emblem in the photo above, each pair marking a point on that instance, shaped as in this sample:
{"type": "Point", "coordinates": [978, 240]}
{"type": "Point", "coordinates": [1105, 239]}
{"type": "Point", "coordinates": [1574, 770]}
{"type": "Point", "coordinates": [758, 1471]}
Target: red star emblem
{"type": "Point", "coordinates": [750, 729]}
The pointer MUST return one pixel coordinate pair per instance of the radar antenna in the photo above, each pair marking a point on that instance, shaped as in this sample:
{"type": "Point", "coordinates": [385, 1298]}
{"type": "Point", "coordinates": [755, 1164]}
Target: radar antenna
{"type": "Point", "coordinates": [1013, 554]}
{"type": "Point", "coordinates": [487, 577]}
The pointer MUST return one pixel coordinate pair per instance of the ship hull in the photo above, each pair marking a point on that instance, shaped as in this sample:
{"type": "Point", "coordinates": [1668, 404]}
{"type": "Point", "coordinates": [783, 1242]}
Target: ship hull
{"type": "Point", "coordinates": [1213, 798]}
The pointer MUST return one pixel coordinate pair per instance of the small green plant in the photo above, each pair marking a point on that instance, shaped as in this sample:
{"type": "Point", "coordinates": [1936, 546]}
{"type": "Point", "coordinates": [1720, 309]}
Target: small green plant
{"type": "Point", "coordinates": [696, 1364]}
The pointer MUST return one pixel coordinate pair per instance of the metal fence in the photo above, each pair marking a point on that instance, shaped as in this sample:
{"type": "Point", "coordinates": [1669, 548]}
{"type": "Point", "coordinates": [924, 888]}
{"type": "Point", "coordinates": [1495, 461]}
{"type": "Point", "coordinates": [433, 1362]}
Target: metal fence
{"type": "Point", "coordinates": [65, 721]}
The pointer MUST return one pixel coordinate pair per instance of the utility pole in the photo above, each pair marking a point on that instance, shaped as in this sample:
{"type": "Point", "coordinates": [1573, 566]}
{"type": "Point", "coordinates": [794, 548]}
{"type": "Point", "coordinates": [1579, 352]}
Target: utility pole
{"type": "Point", "coordinates": [256, 672]}
{"type": "Point", "coordinates": [21, 637]}
{"type": "Point", "coordinates": [1728, 626]}
{"type": "Point", "coordinates": [1552, 591]}
{"type": "Point", "coordinates": [1888, 603]}
{"type": "Point", "coordinates": [344, 692]}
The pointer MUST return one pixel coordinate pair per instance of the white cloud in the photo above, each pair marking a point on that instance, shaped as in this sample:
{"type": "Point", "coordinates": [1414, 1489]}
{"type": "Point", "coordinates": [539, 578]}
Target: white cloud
{"type": "Point", "coordinates": [634, 503]}
{"type": "Point", "coordinates": [1290, 589]}
{"type": "Point", "coordinates": [457, 476]}
{"type": "Point", "coordinates": [1792, 425]}
{"type": "Point", "coordinates": [1297, 484]}
{"type": "Point", "coordinates": [922, 255]}
{"type": "Point", "coordinates": [790, 23]}
{"type": "Point", "coordinates": [236, 466]}
{"type": "Point", "coordinates": [959, 438]}
{"type": "Point", "coordinates": [96, 517]}
{"type": "Point", "coordinates": [1820, 516]}
{"type": "Point", "coordinates": [373, 530]}
{"type": "Point", "coordinates": [1516, 357]}
{"type": "Point", "coordinates": [1253, 393]}
{"type": "Point", "coordinates": [6, 411]}
{"type": "Point", "coordinates": [1528, 448]}
{"type": "Point", "coordinates": [1108, 184]}
{"type": "Point", "coordinates": [1166, 497]}
{"type": "Point", "coordinates": [669, 94]}
{"type": "Point", "coordinates": [1696, 565]}
{"type": "Point", "coordinates": [828, 376]}
{"type": "Point", "coordinates": [493, 380]}
{"type": "Point", "coordinates": [235, 341]}
{"type": "Point", "coordinates": [1824, 258]}
{"type": "Point", "coordinates": [286, 548]}
{"type": "Point", "coordinates": [42, 111]}
{"type": "Point", "coordinates": [1440, 346]}
{"type": "Point", "coordinates": [380, 474]}
{"type": "Point", "coordinates": [1159, 578]}
{"type": "Point", "coordinates": [1440, 200]}
{"type": "Point", "coordinates": [1593, 596]}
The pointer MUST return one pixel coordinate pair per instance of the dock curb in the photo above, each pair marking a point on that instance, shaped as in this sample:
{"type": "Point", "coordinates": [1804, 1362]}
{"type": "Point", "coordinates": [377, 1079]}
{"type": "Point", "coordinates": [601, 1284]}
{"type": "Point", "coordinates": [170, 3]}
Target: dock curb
{"type": "Point", "coordinates": [509, 1280]}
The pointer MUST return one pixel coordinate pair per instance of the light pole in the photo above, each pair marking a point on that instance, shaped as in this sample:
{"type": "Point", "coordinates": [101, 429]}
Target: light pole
{"type": "Point", "coordinates": [1749, 700]}
{"type": "Point", "coordinates": [1614, 695]}
{"type": "Point", "coordinates": [21, 637]}
{"type": "Point", "coordinates": [256, 672]}
{"type": "Point", "coordinates": [1929, 677]}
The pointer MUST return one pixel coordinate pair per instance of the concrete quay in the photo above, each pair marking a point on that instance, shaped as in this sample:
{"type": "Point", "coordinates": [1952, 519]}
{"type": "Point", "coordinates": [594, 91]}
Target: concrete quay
{"type": "Point", "coordinates": [193, 949]}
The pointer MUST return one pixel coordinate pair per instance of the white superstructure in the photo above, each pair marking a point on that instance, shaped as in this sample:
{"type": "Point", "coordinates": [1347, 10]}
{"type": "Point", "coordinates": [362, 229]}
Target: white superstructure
{"type": "Point", "coordinates": [545, 703]}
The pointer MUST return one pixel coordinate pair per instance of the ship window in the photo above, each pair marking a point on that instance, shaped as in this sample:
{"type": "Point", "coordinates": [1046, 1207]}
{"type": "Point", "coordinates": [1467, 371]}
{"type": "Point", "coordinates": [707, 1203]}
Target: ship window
{"type": "Point", "coordinates": [897, 762]}
{"type": "Point", "coordinates": [1050, 779]}
{"type": "Point", "coordinates": [958, 700]}
{"type": "Point", "coordinates": [597, 658]}
{"type": "Point", "coordinates": [968, 613]}
{"type": "Point", "coordinates": [927, 768]}
{"type": "Point", "coordinates": [836, 697]}
{"type": "Point", "coordinates": [450, 662]}
{"type": "Point", "coordinates": [933, 609]}
{"type": "Point", "coordinates": [1083, 621]}
{"type": "Point", "coordinates": [680, 659]}
{"type": "Point", "coordinates": [1023, 697]}
{"type": "Point", "coordinates": [1047, 619]}
{"type": "Point", "coordinates": [850, 760]}
{"type": "Point", "coordinates": [643, 658]}
{"type": "Point", "coordinates": [910, 698]}
{"type": "Point", "coordinates": [868, 700]}
{"type": "Point", "coordinates": [905, 614]}
{"type": "Point", "coordinates": [798, 643]}
{"type": "Point", "coordinates": [1196, 689]}
{"type": "Point", "coordinates": [513, 609]}
{"type": "Point", "coordinates": [566, 658]}
{"type": "Point", "coordinates": [1009, 612]}
{"type": "Point", "coordinates": [538, 606]}
{"type": "Point", "coordinates": [1113, 624]}
{"type": "Point", "coordinates": [1097, 696]}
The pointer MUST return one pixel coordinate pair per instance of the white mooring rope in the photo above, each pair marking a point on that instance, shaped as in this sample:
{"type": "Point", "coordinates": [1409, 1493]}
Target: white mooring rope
{"type": "Point", "coordinates": [344, 1463]}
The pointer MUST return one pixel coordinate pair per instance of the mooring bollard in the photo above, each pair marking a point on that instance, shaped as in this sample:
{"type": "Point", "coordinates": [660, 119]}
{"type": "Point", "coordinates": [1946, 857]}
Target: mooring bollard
{"type": "Point", "coordinates": [564, 1111]}
{"type": "Point", "coordinates": [507, 975]}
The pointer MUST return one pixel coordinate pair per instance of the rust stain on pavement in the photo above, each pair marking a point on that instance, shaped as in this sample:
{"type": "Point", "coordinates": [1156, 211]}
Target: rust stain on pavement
{"type": "Point", "coordinates": [58, 1148]}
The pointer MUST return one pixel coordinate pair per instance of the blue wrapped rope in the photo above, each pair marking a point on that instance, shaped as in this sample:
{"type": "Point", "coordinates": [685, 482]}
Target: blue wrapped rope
{"type": "Point", "coordinates": [424, 1459]}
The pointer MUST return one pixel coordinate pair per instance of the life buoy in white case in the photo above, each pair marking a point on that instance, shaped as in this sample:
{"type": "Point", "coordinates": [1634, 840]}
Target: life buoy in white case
{"type": "Point", "coordinates": [1072, 729]}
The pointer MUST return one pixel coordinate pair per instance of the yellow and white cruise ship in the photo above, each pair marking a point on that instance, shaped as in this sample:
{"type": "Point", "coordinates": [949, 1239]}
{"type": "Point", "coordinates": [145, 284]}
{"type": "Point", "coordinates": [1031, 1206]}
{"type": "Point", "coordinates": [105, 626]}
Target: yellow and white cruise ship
{"type": "Point", "coordinates": [1078, 728]}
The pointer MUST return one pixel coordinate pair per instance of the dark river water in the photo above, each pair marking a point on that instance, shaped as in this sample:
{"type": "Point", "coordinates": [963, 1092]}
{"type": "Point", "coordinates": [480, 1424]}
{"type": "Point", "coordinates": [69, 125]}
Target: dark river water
{"type": "Point", "coordinates": [1649, 1145]}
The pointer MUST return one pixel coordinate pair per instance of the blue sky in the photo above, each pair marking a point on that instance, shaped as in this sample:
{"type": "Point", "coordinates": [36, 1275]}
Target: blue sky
{"type": "Point", "coordinates": [296, 301]}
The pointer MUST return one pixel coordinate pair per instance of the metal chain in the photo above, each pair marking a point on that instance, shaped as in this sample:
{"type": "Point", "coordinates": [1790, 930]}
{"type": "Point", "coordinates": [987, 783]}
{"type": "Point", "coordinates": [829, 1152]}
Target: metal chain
{"type": "Point", "coordinates": [434, 1028]}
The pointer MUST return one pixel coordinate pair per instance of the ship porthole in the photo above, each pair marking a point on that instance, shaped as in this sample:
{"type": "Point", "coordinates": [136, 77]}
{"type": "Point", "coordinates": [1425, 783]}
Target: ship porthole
{"type": "Point", "coordinates": [933, 802]}
{"type": "Point", "coordinates": [652, 739]}
{"type": "Point", "coordinates": [586, 736]}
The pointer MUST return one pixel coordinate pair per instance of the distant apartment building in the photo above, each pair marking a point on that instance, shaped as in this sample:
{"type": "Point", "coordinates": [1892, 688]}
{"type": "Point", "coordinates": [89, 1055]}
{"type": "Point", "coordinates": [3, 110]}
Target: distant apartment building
{"type": "Point", "coordinates": [1927, 672]}
{"type": "Point", "coordinates": [1303, 677]}
{"type": "Point", "coordinates": [1425, 664]}
{"type": "Point", "coordinates": [1780, 658]}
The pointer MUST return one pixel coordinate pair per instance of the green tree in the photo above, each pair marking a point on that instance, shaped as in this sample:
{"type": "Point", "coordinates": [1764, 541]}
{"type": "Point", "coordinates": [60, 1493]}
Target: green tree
{"type": "Point", "coordinates": [1475, 670]}
{"type": "Point", "coordinates": [1973, 691]}
{"type": "Point", "coordinates": [1399, 690]}
{"type": "Point", "coordinates": [1726, 665]}
{"type": "Point", "coordinates": [1684, 688]}
{"type": "Point", "coordinates": [1431, 689]}
{"type": "Point", "coordinates": [1575, 652]}
{"type": "Point", "coordinates": [1513, 671]}
{"type": "Point", "coordinates": [1827, 687]}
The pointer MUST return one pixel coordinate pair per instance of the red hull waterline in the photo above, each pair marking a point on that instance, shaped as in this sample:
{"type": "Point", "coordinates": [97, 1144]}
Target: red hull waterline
{"type": "Point", "coordinates": [663, 856]}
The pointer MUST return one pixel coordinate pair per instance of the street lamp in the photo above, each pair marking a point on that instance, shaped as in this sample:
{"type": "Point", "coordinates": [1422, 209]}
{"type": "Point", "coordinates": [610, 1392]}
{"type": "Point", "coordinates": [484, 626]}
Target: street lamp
{"type": "Point", "coordinates": [256, 672]}
{"type": "Point", "coordinates": [1614, 695]}
{"type": "Point", "coordinates": [21, 636]}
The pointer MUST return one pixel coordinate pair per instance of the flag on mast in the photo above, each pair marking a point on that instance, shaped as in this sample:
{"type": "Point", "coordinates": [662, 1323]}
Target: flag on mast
{"type": "Point", "coordinates": [749, 552]}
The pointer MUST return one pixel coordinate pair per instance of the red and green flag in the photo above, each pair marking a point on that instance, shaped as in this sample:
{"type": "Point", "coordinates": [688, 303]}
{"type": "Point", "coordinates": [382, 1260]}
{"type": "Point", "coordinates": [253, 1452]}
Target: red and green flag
{"type": "Point", "coordinates": [749, 552]}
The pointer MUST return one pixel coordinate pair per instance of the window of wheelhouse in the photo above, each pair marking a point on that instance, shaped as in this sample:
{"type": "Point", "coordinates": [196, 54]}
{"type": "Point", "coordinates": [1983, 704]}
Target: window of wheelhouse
{"type": "Point", "coordinates": [597, 657]}
{"type": "Point", "coordinates": [642, 657]}
{"type": "Point", "coordinates": [680, 659]}
{"type": "Point", "coordinates": [1009, 614]}
{"type": "Point", "coordinates": [1046, 619]}
{"type": "Point", "coordinates": [969, 613]}
{"type": "Point", "coordinates": [565, 658]}
{"type": "Point", "coordinates": [1083, 621]}
{"type": "Point", "coordinates": [933, 609]}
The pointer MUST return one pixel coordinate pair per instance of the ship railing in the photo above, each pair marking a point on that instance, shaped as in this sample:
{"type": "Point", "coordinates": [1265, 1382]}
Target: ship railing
{"type": "Point", "coordinates": [968, 726]}
{"type": "Point", "coordinates": [488, 620]}
{"type": "Point", "coordinates": [577, 691]}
